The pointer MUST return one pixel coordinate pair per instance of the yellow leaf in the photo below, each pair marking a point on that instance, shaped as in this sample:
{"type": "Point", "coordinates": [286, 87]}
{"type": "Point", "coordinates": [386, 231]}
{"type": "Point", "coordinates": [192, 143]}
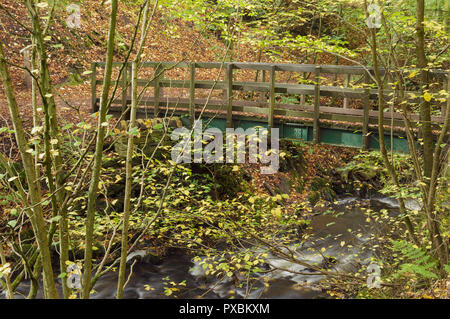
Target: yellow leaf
{"type": "Point", "coordinates": [276, 212]}
{"type": "Point", "coordinates": [412, 74]}
{"type": "Point", "coordinates": [427, 96]}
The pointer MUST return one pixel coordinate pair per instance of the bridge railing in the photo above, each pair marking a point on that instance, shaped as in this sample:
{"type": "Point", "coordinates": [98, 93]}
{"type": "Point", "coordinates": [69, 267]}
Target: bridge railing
{"type": "Point", "coordinates": [268, 108]}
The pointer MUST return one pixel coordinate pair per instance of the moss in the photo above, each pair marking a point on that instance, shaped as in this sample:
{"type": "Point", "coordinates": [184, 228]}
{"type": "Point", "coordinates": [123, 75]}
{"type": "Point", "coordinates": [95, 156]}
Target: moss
{"type": "Point", "coordinates": [313, 198]}
{"type": "Point", "coordinates": [321, 189]}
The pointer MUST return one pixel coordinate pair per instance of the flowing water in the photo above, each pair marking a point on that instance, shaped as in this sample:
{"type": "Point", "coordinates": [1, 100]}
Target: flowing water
{"type": "Point", "coordinates": [347, 236]}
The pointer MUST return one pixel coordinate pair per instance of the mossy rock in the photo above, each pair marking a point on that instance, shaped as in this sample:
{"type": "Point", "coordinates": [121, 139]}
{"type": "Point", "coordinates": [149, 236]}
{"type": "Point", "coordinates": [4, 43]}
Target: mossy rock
{"type": "Point", "coordinates": [228, 182]}
{"type": "Point", "coordinates": [321, 189]}
{"type": "Point", "coordinates": [284, 186]}
{"type": "Point", "coordinates": [293, 161]}
{"type": "Point", "coordinates": [313, 198]}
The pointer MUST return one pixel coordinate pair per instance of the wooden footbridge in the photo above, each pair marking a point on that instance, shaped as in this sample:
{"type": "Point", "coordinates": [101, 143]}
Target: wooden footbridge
{"type": "Point", "coordinates": [292, 97]}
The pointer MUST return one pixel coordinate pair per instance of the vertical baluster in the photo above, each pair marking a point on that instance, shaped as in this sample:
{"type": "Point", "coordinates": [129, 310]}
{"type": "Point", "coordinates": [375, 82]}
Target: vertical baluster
{"type": "Point", "coordinates": [303, 96]}
{"type": "Point", "coordinates": [229, 94]}
{"type": "Point", "coordinates": [262, 98]}
{"type": "Point", "coordinates": [347, 83]}
{"type": "Point", "coordinates": [366, 106]}
{"type": "Point", "coordinates": [192, 94]}
{"type": "Point", "coordinates": [159, 73]}
{"type": "Point", "coordinates": [272, 98]}
{"type": "Point", "coordinates": [316, 124]}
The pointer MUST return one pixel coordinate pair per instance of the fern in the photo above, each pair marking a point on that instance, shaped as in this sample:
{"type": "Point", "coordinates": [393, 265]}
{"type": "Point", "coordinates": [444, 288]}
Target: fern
{"type": "Point", "coordinates": [417, 261]}
{"type": "Point", "coordinates": [447, 268]}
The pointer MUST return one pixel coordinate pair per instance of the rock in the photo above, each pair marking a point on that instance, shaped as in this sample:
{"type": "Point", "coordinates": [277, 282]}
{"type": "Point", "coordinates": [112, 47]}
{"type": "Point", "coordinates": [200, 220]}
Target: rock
{"type": "Point", "coordinates": [321, 189]}
{"type": "Point", "coordinates": [147, 256]}
{"type": "Point", "coordinates": [284, 186]}
{"type": "Point", "coordinates": [366, 174]}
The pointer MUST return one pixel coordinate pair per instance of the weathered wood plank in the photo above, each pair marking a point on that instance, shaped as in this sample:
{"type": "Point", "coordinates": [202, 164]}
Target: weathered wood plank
{"type": "Point", "coordinates": [347, 83]}
{"type": "Point", "coordinates": [285, 108]}
{"type": "Point", "coordinates": [366, 106]}
{"type": "Point", "coordinates": [192, 95]}
{"type": "Point", "coordinates": [229, 94]}
{"type": "Point", "coordinates": [250, 109]}
{"type": "Point", "coordinates": [316, 128]}
{"type": "Point", "coordinates": [286, 88]}
{"type": "Point", "coordinates": [158, 74]}
{"type": "Point", "coordinates": [272, 99]}
{"type": "Point", "coordinates": [262, 98]}
{"type": "Point", "coordinates": [331, 69]}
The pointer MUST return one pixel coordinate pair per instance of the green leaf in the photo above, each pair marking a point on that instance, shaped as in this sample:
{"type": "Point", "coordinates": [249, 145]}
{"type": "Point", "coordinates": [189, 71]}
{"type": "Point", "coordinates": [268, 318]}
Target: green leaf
{"type": "Point", "coordinates": [62, 275]}
{"type": "Point", "coordinates": [66, 127]}
{"type": "Point", "coordinates": [447, 268]}
{"type": "Point", "coordinates": [12, 223]}
{"type": "Point", "coordinates": [134, 131]}
{"type": "Point", "coordinates": [55, 219]}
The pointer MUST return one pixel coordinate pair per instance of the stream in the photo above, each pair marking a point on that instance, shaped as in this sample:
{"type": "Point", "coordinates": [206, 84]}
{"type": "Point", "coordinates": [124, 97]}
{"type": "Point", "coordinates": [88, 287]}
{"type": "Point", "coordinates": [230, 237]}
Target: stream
{"type": "Point", "coordinates": [330, 236]}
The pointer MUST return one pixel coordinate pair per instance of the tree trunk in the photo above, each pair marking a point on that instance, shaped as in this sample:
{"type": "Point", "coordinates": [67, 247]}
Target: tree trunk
{"type": "Point", "coordinates": [427, 134]}
{"type": "Point", "coordinates": [128, 180]}
{"type": "Point", "coordinates": [383, 150]}
{"type": "Point", "coordinates": [52, 132]}
{"type": "Point", "coordinates": [98, 156]}
{"type": "Point", "coordinates": [36, 216]}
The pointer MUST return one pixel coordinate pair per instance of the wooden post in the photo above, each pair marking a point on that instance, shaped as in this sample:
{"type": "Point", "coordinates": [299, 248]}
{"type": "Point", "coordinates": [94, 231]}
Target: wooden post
{"type": "Point", "coordinates": [229, 94]}
{"type": "Point", "coordinates": [316, 124]}
{"type": "Point", "coordinates": [159, 73]}
{"type": "Point", "coordinates": [124, 88]}
{"type": "Point", "coordinates": [27, 64]}
{"type": "Point", "coordinates": [94, 104]}
{"type": "Point", "coordinates": [303, 96]}
{"type": "Point", "coordinates": [347, 83]}
{"type": "Point", "coordinates": [262, 98]}
{"type": "Point", "coordinates": [192, 94]}
{"type": "Point", "coordinates": [366, 107]}
{"type": "Point", "coordinates": [335, 74]}
{"type": "Point", "coordinates": [272, 99]}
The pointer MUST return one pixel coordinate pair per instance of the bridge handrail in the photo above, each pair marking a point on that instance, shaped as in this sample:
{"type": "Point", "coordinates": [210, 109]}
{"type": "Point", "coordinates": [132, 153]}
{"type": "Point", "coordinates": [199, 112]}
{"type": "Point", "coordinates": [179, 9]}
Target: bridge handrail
{"type": "Point", "coordinates": [289, 67]}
